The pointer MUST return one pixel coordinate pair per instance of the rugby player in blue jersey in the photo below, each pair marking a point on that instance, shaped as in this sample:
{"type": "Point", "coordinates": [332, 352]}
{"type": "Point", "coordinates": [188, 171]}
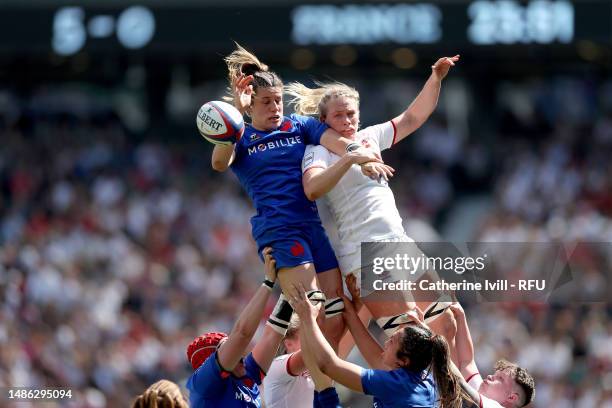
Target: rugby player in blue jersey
{"type": "Point", "coordinates": [267, 161]}
{"type": "Point", "coordinates": [412, 370]}
{"type": "Point", "coordinates": [222, 376]}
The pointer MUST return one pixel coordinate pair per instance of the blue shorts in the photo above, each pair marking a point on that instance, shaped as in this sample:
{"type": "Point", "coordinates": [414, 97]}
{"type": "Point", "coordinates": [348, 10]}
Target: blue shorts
{"type": "Point", "coordinates": [299, 244]}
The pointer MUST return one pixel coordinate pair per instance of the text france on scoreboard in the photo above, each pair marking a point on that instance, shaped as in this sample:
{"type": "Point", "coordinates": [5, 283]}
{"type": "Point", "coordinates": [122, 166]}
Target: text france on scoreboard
{"type": "Point", "coordinates": [69, 29]}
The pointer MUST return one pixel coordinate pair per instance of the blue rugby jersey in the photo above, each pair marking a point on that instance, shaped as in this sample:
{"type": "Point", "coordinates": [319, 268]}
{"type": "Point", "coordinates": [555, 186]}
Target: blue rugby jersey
{"type": "Point", "coordinates": [268, 165]}
{"type": "Point", "coordinates": [399, 388]}
{"type": "Point", "coordinates": [210, 386]}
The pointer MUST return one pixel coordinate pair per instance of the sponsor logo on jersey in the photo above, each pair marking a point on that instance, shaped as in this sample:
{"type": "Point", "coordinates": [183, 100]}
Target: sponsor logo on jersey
{"type": "Point", "coordinates": [275, 144]}
{"type": "Point", "coordinates": [241, 396]}
{"type": "Point", "coordinates": [254, 137]}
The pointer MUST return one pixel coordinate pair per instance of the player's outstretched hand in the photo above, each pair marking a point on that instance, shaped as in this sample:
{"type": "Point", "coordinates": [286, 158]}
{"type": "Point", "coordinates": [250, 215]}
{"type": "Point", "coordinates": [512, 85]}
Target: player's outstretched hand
{"type": "Point", "coordinates": [377, 171]}
{"type": "Point", "coordinates": [269, 264]}
{"type": "Point", "coordinates": [300, 303]}
{"type": "Point", "coordinates": [442, 66]}
{"type": "Point", "coordinates": [243, 92]}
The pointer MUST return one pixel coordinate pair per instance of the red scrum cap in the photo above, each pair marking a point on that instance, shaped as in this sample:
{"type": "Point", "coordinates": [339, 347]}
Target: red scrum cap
{"type": "Point", "coordinates": [203, 347]}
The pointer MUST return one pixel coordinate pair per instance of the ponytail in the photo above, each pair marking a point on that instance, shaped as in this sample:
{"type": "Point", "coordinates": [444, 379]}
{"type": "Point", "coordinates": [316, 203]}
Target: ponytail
{"type": "Point", "coordinates": [313, 101]}
{"type": "Point", "coordinates": [449, 390]}
{"type": "Point", "coordinates": [162, 394]}
{"type": "Point", "coordinates": [242, 62]}
{"type": "Point", "coordinates": [426, 350]}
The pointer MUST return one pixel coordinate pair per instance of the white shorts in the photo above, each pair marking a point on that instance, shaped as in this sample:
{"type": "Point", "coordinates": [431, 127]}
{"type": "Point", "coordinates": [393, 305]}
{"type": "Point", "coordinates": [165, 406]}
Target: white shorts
{"type": "Point", "coordinates": [351, 262]}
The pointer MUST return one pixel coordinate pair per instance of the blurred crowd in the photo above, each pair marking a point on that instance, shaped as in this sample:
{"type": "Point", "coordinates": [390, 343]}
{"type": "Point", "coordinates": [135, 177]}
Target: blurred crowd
{"type": "Point", "coordinates": [118, 247]}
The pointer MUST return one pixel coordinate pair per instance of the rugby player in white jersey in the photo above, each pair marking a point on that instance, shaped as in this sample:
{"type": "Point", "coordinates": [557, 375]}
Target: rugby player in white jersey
{"type": "Point", "coordinates": [363, 209]}
{"type": "Point", "coordinates": [288, 383]}
{"type": "Point", "coordinates": [510, 386]}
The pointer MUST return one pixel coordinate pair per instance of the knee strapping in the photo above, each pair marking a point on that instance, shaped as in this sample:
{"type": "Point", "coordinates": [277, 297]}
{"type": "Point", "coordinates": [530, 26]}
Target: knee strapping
{"type": "Point", "coordinates": [333, 307]}
{"type": "Point", "coordinates": [316, 297]}
{"type": "Point", "coordinates": [434, 310]}
{"type": "Point", "coordinates": [390, 324]}
{"type": "Point", "coordinates": [280, 316]}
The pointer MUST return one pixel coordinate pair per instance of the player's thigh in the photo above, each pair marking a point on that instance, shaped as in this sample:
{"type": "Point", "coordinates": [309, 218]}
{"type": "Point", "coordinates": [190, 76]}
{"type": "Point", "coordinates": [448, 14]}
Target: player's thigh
{"type": "Point", "coordinates": [303, 274]}
{"type": "Point", "coordinates": [330, 281]}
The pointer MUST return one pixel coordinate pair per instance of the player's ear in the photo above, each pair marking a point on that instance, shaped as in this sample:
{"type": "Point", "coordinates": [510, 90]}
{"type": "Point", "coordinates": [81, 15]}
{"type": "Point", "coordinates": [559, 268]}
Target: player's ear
{"type": "Point", "coordinates": [322, 118]}
{"type": "Point", "coordinates": [513, 398]}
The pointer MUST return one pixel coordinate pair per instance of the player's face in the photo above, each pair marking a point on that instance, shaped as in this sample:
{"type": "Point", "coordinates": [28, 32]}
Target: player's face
{"type": "Point", "coordinates": [390, 349]}
{"type": "Point", "coordinates": [267, 108]}
{"type": "Point", "coordinates": [498, 386]}
{"type": "Point", "coordinates": [342, 115]}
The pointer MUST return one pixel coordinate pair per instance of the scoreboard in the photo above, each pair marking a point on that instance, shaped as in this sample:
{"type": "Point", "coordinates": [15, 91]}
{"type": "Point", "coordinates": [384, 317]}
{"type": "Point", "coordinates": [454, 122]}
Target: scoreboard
{"type": "Point", "coordinates": [69, 29]}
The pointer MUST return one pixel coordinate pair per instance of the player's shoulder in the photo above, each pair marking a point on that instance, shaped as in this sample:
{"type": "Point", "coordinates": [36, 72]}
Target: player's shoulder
{"type": "Point", "coordinates": [280, 359]}
{"type": "Point", "coordinates": [375, 129]}
{"type": "Point", "coordinates": [299, 118]}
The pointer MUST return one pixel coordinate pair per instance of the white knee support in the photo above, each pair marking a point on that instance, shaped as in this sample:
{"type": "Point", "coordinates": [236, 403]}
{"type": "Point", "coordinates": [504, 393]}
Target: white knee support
{"type": "Point", "coordinates": [390, 324]}
{"type": "Point", "coordinates": [434, 310]}
{"type": "Point", "coordinates": [280, 316]}
{"type": "Point", "coordinates": [316, 297]}
{"type": "Point", "coordinates": [333, 307]}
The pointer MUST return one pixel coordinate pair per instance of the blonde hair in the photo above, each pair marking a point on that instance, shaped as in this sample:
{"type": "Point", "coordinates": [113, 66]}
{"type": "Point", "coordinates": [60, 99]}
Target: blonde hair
{"type": "Point", "coordinates": [162, 394]}
{"type": "Point", "coordinates": [313, 101]}
{"type": "Point", "coordinates": [242, 62]}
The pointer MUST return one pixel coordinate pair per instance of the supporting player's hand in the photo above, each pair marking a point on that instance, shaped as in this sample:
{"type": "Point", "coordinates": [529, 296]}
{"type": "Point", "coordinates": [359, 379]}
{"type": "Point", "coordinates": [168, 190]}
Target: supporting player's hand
{"type": "Point", "coordinates": [363, 155]}
{"type": "Point", "coordinates": [377, 171]}
{"type": "Point", "coordinates": [457, 310]}
{"type": "Point", "coordinates": [243, 92]}
{"type": "Point", "coordinates": [269, 264]}
{"type": "Point", "coordinates": [300, 303]}
{"type": "Point", "coordinates": [442, 66]}
{"type": "Point", "coordinates": [354, 290]}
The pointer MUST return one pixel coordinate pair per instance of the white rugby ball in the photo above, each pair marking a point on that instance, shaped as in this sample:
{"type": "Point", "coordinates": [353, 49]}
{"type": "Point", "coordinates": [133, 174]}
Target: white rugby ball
{"type": "Point", "coordinates": [220, 123]}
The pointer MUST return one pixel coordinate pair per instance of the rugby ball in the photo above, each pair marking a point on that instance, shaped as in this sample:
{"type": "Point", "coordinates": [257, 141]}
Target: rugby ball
{"type": "Point", "coordinates": [220, 123]}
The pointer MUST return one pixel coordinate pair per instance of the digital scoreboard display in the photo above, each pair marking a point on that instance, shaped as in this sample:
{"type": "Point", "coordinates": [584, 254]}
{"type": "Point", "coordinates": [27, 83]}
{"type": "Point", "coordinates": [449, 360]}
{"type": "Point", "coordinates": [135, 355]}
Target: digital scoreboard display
{"type": "Point", "coordinates": [69, 29]}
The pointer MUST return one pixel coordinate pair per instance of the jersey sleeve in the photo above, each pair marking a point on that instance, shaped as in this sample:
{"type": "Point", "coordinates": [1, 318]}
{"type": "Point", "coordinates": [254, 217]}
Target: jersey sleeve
{"type": "Point", "coordinates": [378, 383]}
{"type": "Point", "coordinates": [315, 157]}
{"type": "Point", "coordinates": [253, 371]}
{"type": "Point", "coordinates": [384, 134]}
{"type": "Point", "coordinates": [209, 379]}
{"type": "Point", "coordinates": [312, 129]}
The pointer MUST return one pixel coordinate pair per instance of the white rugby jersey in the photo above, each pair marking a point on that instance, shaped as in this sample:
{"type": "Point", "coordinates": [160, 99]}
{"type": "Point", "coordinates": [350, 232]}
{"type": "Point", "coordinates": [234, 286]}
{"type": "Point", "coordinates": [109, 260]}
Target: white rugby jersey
{"type": "Point", "coordinates": [363, 209]}
{"type": "Point", "coordinates": [284, 390]}
{"type": "Point", "coordinates": [475, 382]}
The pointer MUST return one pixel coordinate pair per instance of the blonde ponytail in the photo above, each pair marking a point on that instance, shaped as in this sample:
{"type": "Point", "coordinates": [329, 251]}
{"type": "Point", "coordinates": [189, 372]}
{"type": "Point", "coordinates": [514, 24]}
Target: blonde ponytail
{"type": "Point", "coordinates": [313, 101]}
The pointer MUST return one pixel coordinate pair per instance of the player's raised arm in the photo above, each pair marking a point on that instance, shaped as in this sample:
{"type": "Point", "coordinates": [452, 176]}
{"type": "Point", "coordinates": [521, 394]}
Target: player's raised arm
{"type": "Point", "coordinates": [463, 343]}
{"type": "Point", "coordinates": [424, 104]}
{"type": "Point", "coordinates": [367, 345]}
{"type": "Point", "coordinates": [232, 350]}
